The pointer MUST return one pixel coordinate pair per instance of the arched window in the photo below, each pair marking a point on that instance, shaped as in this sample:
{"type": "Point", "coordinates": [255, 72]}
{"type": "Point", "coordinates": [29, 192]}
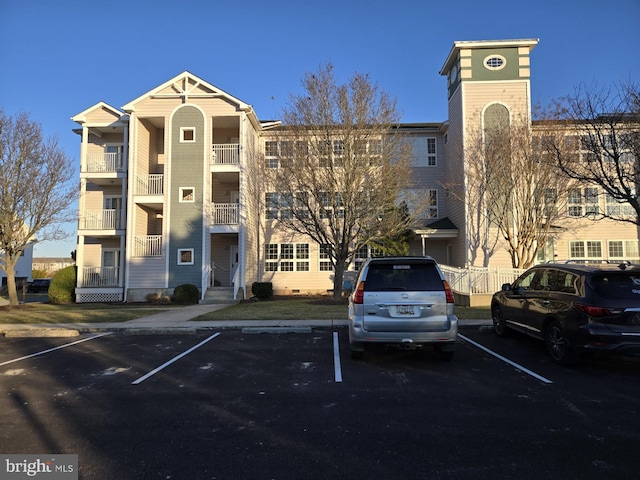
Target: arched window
{"type": "Point", "coordinates": [496, 117]}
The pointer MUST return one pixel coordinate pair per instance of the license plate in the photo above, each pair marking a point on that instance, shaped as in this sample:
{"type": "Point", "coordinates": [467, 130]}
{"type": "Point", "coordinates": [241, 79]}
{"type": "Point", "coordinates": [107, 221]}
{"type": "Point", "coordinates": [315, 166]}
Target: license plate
{"type": "Point", "coordinates": [404, 309]}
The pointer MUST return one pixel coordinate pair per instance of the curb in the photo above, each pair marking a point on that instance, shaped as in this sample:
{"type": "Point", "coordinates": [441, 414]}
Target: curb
{"type": "Point", "coordinates": [195, 327]}
{"type": "Point", "coordinates": [40, 333]}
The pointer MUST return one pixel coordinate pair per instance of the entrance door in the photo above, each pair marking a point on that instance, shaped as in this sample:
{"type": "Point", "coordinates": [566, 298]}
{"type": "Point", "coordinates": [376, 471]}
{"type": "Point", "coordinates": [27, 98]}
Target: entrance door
{"type": "Point", "coordinates": [234, 262]}
{"type": "Point", "coordinates": [110, 267]}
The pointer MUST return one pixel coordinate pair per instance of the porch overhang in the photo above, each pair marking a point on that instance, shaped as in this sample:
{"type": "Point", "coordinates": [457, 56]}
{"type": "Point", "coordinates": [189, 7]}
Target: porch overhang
{"type": "Point", "coordinates": [438, 230]}
{"type": "Point", "coordinates": [443, 228]}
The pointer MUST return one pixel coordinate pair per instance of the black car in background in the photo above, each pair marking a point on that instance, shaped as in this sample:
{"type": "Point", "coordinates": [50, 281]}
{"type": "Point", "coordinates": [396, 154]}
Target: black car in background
{"type": "Point", "coordinates": [574, 308]}
{"type": "Point", "coordinates": [39, 285]}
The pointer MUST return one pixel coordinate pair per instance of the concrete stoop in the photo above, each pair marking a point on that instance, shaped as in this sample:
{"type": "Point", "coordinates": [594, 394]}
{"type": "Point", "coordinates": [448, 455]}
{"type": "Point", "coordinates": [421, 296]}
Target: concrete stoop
{"type": "Point", "coordinates": [217, 295]}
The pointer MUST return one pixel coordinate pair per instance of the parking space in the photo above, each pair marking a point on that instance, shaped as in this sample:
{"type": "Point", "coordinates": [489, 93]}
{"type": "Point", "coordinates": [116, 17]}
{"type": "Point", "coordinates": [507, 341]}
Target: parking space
{"type": "Point", "coordinates": [228, 404]}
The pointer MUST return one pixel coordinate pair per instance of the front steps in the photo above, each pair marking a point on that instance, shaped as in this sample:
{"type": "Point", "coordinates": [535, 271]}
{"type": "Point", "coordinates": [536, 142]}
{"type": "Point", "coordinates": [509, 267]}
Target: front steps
{"type": "Point", "coordinates": [217, 295]}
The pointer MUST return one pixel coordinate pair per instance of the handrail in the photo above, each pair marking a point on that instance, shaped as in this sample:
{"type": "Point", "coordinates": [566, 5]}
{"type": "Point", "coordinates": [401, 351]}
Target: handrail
{"type": "Point", "coordinates": [236, 283]}
{"type": "Point", "coordinates": [225, 154]}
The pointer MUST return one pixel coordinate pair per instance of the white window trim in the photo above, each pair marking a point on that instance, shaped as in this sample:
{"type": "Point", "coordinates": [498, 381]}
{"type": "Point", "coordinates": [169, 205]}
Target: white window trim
{"type": "Point", "coordinates": [494, 55]}
{"type": "Point", "coordinates": [187, 129]}
{"type": "Point", "coordinates": [180, 250]}
{"type": "Point", "coordinates": [181, 195]}
{"type": "Point", "coordinates": [586, 250]}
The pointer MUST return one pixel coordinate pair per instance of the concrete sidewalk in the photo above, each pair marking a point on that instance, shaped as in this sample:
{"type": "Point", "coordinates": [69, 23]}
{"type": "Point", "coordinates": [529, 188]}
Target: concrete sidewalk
{"type": "Point", "coordinates": [176, 321]}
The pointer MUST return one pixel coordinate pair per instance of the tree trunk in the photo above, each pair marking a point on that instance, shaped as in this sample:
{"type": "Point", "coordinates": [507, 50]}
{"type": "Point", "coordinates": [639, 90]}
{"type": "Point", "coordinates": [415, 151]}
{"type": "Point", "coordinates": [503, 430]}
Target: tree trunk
{"type": "Point", "coordinates": [11, 282]}
{"type": "Point", "coordinates": [337, 278]}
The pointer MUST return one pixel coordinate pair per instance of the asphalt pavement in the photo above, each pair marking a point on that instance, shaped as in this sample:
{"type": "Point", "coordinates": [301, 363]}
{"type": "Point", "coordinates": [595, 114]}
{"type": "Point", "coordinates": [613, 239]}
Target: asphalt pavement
{"type": "Point", "coordinates": [175, 321]}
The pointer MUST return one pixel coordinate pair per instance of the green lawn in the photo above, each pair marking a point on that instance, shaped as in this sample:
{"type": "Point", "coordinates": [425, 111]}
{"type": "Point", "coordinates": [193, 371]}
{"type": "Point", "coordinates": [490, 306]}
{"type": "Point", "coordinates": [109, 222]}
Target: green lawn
{"type": "Point", "coordinates": [294, 308]}
{"type": "Point", "coordinates": [31, 313]}
{"type": "Point", "coordinates": [307, 309]}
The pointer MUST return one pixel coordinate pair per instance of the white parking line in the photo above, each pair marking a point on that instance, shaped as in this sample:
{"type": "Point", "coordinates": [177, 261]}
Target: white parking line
{"type": "Point", "coordinates": [174, 359]}
{"type": "Point", "coordinates": [336, 358]}
{"type": "Point", "coordinates": [506, 360]}
{"type": "Point", "coordinates": [55, 348]}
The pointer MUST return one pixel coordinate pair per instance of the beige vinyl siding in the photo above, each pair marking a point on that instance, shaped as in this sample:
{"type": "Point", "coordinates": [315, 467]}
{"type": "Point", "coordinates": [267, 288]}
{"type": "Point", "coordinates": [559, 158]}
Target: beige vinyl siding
{"type": "Point", "coordinates": [93, 251]}
{"type": "Point", "coordinates": [143, 141]}
{"type": "Point", "coordinates": [162, 107]}
{"type": "Point", "coordinates": [101, 116]}
{"type": "Point", "coordinates": [285, 283]}
{"type": "Point", "coordinates": [148, 272]}
{"type": "Point", "coordinates": [251, 192]}
{"type": "Point", "coordinates": [514, 95]}
{"type": "Point", "coordinates": [455, 178]}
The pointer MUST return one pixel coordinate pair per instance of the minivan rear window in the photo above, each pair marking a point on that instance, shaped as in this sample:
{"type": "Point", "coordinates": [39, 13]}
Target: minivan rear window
{"type": "Point", "coordinates": [400, 276]}
{"type": "Point", "coordinates": [617, 285]}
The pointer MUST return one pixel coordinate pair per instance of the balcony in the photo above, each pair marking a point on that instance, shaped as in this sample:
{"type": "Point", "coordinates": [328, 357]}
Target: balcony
{"type": "Point", "coordinates": [100, 220]}
{"type": "Point", "coordinates": [147, 246]}
{"type": "Point", "coordinates": [225, 154]}
{"type": "Point", "coordinates": [226, 214]}
{"type": "Point", "coordinates": [149, 190]}
{"type": "Point", "coordinates": [150, 185]}
{"type": "Point", "coordinates": [92, 277]}
{"type": "Point", "coordinates": [104, 163]}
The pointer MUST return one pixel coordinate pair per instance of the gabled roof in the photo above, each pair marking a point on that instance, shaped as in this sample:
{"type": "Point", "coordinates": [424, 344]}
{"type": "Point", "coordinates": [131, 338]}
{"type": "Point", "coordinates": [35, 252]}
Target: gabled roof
{"type": "Point", "coordinates": [82, 116]}
{"type": "Point", "coordinates": [186, 85]}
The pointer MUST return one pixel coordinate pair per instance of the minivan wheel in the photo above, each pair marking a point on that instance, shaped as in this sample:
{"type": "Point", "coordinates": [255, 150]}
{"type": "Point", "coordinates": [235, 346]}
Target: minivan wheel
{"type": "Point", "coordinates": [557, 345]}
{"type": "Point", "coordinates": [499, 323]}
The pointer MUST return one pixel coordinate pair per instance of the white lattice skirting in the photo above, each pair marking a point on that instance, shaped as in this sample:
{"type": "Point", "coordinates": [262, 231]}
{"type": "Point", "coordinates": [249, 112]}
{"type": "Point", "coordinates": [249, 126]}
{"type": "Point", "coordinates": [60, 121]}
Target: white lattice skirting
{"type": "Point", "coordinates": [99, 297]}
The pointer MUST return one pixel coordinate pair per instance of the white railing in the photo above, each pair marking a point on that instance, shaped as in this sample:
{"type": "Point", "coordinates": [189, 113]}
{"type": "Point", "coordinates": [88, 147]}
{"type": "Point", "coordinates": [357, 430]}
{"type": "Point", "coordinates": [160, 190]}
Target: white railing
{"type": "Point", "coordinates": [100, 220]}
{"type": "Point", "coordinates": [104, 162]}
{"type": "Point", "coordinates": [478, 280]}
{"type": "Point", "coordinates": [226, 214]}
{"type": "Point", "coordinates": [150, 184]}
{"type": "Point", "coordinates": [147, 246]}
{"type": "Point", "coordinates": [225, 154]}
{"type": "Point", "coordinates": [100, 277]}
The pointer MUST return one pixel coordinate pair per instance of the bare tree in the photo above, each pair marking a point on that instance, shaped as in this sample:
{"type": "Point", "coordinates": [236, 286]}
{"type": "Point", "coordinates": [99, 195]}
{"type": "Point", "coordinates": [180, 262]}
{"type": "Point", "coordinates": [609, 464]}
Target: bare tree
{"type": "Point", "coordinates": [36, 191]}
{"type": "Point", "coordinates": [601, 146]}
{"type": "Point", "coordinates": [338, 167]}
{"type": "Point", "coordinates": [514, 189]}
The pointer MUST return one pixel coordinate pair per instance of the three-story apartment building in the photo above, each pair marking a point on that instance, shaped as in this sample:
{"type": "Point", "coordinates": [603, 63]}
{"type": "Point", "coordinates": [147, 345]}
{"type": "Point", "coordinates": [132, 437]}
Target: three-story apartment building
{"type": "Point", "coordinates": [172, 188]}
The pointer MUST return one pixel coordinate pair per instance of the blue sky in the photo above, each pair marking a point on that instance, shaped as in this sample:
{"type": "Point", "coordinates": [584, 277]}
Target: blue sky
{"type": "Point", "coordinates": [59, 57]}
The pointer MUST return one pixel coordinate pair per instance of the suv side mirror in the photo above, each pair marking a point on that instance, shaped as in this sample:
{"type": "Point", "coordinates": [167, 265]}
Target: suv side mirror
{"type": "Point", "coordinates": [506, 287]}
{"type": "Point", "coordinates": [347, 286]}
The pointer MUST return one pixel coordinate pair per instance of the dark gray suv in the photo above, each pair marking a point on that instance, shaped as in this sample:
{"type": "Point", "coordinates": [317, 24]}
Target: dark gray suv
{"type": "Point", "coordinates": [574, 308]}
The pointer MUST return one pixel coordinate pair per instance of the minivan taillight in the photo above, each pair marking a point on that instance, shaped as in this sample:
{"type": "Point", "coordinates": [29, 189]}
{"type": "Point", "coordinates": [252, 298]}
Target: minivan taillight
{"type": "Point", "coordinates": [358, 295]}
{"type": "Point", "coordinates": [448, 292]}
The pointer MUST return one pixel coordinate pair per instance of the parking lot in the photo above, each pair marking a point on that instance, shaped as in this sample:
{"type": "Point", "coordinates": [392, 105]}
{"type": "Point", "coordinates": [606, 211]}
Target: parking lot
{"type": "Point", "coordinates": [231, 404]}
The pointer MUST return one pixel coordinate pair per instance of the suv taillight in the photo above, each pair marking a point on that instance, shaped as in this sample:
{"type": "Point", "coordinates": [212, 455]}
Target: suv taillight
{"type": "Point", "coordinates": [358, 295]}
{"type": "Point", "coordinates": [448, 292]}
{"type": "Point", "coordinates": [594, 311]}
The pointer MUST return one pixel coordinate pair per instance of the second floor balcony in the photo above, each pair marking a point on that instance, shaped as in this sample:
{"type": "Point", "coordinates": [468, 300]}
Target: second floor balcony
{"type": "Point", "coordinates": [150, 185]}
{"type": "Point", "coordinates": [226, 214]}
{"type": "Point", "coordinates": [147, 246]}
{"type": "Point", "coordinates": [106, 219]}
{"type": "Point", "coordinates": [104, 163]}
{"type": "Point", "coordinates": [225, 154]}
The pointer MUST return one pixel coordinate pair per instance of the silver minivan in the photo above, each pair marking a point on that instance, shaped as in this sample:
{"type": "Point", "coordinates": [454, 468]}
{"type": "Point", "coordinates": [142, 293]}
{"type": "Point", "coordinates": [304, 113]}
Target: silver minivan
{"type": "Point", "coordinates": [403, 302]}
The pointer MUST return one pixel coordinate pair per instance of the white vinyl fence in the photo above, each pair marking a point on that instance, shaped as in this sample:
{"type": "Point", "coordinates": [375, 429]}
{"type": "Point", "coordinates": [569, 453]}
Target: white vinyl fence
{"type": "Point", "coordinates": [478, 280]}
